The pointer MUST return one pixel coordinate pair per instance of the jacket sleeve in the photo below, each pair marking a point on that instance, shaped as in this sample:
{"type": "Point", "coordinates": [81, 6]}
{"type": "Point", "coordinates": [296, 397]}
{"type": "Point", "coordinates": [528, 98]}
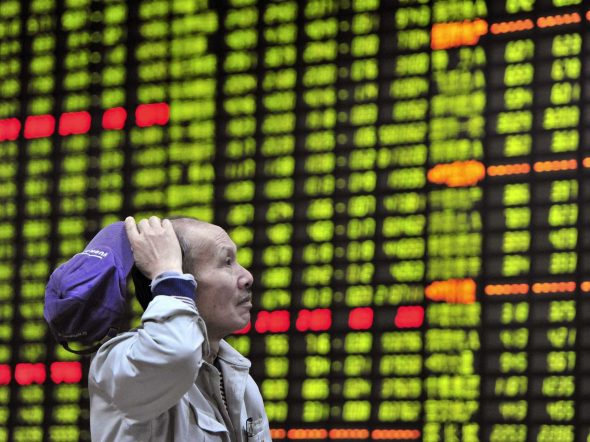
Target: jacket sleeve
{"type": "Point", "coordinates": [147, 371]}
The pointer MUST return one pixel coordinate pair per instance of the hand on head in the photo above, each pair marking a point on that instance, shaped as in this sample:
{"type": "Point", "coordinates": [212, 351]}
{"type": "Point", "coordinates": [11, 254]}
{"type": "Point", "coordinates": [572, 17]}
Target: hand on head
{"type": "Point", "coordinates": [155, 246]}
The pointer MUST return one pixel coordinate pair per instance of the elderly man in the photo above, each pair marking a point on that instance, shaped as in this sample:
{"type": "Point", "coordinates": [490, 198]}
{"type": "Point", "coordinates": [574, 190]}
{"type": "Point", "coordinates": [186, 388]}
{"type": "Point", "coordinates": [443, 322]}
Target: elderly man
{"type": "Point", "coordinates": [175, 378]}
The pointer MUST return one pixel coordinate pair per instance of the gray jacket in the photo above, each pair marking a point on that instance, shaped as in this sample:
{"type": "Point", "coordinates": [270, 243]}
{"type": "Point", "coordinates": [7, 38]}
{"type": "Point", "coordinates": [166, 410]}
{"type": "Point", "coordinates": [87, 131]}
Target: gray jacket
{"type": "Point", "coordinates": [152, 383]}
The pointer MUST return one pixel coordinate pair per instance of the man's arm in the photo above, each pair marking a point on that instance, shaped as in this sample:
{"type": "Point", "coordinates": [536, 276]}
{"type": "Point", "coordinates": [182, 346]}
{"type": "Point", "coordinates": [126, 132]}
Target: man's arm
{"type": "Point", "coordinates": [147, 372]}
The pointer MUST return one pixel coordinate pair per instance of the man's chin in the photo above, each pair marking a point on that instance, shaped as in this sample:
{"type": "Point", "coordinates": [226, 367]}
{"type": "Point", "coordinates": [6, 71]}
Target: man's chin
{"type": "Point", "coordinates": [244, 320]}
{"type": "Point", "coordinates": [242, 327]}
{"type": "Point", "coordinates": [246, 317]}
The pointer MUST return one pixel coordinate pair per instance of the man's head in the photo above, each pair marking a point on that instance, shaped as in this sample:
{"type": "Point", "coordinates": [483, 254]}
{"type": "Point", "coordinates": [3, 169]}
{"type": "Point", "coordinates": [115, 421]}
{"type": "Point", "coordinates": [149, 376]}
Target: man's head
{"type": "Point", "coordinates": [224, 296]}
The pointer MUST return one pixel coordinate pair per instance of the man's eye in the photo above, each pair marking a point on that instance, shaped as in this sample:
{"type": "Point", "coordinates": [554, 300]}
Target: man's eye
{"type": "Point", "coordinates": [228, 261]}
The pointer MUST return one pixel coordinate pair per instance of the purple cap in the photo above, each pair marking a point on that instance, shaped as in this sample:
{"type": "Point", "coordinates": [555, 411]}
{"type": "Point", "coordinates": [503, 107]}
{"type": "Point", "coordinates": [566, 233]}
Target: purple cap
{"type": "Point", "coordinates": [85, 298]}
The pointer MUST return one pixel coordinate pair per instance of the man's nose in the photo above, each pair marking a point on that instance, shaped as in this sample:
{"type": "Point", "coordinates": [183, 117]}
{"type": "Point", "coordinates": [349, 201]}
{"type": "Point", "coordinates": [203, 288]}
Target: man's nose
{"type": "Point", "coordinates": [245, 279]}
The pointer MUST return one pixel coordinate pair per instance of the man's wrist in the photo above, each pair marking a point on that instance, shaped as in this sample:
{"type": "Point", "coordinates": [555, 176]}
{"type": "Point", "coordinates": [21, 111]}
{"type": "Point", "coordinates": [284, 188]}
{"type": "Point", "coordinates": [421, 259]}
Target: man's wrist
{"type": "Point", "coordinates": [174, 284]}
{"type": "Point", "coordinates": [167, 274]}
{"type": "Point", "coordinates": [164, 271]}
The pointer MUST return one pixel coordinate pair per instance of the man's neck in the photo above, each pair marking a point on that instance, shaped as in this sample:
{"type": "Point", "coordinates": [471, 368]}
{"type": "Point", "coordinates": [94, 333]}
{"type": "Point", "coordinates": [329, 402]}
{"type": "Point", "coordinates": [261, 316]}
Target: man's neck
{"type": "Point", "coordinates": [213, 350]}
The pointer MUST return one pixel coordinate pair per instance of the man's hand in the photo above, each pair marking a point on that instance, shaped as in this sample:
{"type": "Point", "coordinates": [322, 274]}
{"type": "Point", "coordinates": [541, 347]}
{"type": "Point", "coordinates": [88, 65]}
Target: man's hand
{"type": "Point", "coordinates": [155, 246]}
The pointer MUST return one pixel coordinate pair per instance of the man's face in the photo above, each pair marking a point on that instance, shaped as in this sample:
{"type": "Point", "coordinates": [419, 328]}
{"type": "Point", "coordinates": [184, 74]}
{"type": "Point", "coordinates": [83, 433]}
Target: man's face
{"type": "Point", "coordinates": [224, 297]}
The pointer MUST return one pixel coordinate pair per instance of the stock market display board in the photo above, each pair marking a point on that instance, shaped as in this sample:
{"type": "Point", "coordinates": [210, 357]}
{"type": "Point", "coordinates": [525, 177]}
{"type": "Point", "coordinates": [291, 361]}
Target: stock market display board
{"type": "Point", "coordinates": [406, 179]}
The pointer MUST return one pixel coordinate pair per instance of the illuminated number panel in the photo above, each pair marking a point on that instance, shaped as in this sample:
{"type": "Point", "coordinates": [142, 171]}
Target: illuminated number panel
{"type": "Point", "coordinates": [406, 180]}
{"type": "Point", "coordinates": [10, 87]}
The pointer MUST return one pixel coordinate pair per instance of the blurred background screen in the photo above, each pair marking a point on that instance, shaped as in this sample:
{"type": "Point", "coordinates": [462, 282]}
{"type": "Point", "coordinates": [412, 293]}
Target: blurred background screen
{"type": "Point", "coordinates": [408, 181]}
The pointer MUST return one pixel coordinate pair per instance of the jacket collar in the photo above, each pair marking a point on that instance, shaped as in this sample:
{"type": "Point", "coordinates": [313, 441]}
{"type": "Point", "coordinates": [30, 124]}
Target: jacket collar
{"type": "Point", "coordinates": [230, 355]}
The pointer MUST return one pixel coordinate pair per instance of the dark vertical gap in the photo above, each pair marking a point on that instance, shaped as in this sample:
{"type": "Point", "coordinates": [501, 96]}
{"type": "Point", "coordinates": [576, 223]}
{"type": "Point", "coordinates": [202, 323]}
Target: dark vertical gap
{"type": "Point", "coordinates": [131, 101]}
{"type": "Point", "coordinates": [340, 198]}
{"type": "Point", "coordinates": [261, 204]}
{"type": "Point", "coordinates": [92, 191]}
{"type": "Point", "coordinates": [220, 115]}
{"type": "Point", "coordinates": [383, 317]}
{"type": "Point", "coordinates": [483, 281]}
{"type": "Point", "coordinates": [297, 340]}
{"type": "Point", "coordinates": [581, 175]}
{"type": "Point", "coordinates": [481, 364]}
{"type": "Point", "coordinates": [532, 181]}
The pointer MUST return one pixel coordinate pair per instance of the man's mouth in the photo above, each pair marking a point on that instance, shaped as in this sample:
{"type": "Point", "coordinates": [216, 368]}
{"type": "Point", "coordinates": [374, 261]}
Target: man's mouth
{"type": "Point", "coordinates": [245, 300]}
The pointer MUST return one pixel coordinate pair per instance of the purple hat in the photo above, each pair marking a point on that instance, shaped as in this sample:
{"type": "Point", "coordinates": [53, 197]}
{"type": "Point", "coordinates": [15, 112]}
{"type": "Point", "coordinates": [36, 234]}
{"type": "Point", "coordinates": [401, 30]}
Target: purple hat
{"type": "Point", "coordinates": [85, 298]}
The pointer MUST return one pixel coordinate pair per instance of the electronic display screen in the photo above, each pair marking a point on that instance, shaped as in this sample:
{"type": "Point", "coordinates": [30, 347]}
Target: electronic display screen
{"type": "Point", "coordinates": [407, 180]}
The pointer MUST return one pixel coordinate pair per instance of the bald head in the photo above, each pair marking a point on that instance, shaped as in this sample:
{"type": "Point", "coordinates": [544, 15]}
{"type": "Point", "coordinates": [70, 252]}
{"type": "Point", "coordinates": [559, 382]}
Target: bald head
{"type": "Point", "coordinates": [195, 237]}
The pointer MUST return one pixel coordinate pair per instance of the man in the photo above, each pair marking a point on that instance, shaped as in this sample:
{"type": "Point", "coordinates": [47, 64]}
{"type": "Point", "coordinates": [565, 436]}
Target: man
{"type": "Point", "coordinates": [175, 378]}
